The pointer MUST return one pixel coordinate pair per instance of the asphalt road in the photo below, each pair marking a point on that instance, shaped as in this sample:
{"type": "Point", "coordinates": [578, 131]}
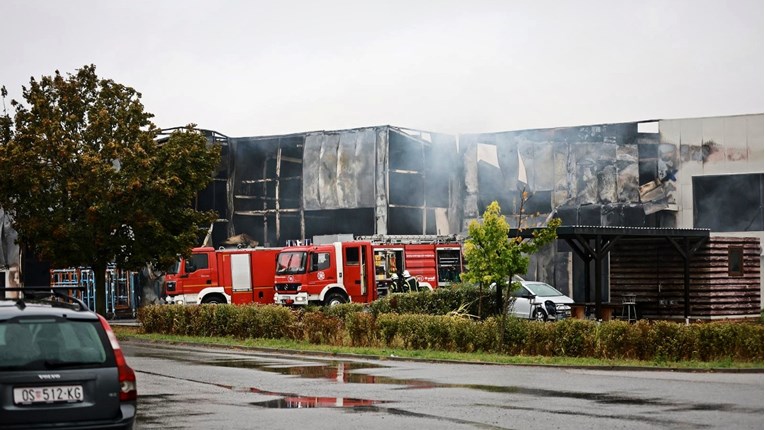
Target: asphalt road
{"type": "Point", "coordinates": [197, 387]}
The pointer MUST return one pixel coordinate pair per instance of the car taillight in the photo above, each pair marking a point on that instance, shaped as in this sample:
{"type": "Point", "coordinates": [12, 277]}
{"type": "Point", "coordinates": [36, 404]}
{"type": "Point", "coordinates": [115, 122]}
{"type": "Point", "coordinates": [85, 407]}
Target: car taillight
{"type": "Point", "coordinates": [128, 388]}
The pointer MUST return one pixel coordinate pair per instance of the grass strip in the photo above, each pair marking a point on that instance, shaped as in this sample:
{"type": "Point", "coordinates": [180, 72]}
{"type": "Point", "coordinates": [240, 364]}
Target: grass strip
{"type": "Point", "coordinates": [283, 345]}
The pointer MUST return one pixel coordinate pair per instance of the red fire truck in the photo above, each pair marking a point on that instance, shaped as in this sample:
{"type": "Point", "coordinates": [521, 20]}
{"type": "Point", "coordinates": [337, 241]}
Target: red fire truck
{"type": "Point", "coordinates": [436, 261]}
{"type": "Point", "coordinates": [360, 271]}
{"type": "Point", "coordinates": [223, 276]}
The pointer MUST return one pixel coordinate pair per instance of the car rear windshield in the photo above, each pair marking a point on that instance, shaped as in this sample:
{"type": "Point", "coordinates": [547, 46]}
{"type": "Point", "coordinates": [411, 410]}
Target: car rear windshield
{"type": "Point", "coordinates": [51, 343]}
{"type": "Point", "coordinates": [540, 289]}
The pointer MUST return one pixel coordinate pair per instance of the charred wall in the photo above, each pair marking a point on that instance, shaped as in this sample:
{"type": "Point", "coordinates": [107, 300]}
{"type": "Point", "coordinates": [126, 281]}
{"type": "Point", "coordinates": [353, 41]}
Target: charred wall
{"type": "Point", "coordinates": [339, 170]}
{"type": "Point", "coordinates": [352, 221]}
{"type": "Point", "coordinates": [265, 186]}
{"type": "Point", "coordinates": [373, 180]}
{"type": "Point", "coordinates": [214, 196]}
{"type": "Point", "coordinates": [719, 209]}
{"type": "Point", "coordinates": [588, 175]}
{"type": "Point", "coordinates": [423, 182]}
{"type": "Point", "coordinates": [598, 165]}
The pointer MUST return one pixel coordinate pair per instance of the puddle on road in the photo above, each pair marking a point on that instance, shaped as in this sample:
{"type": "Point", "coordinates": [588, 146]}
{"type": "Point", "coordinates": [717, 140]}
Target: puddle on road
{"type": "Point", "coordinates": [339, 371]}
{"type": "Point", "coordinates": [336, 371]}
{"type": "Point", "coordinates": [315, 402]}
{"type": "Point", "coordinates": [289, 400]}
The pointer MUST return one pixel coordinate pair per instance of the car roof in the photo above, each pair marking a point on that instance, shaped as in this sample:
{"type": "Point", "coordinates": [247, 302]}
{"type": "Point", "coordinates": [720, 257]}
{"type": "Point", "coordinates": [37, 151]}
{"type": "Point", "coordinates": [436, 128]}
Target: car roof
{"type": "Point", "coordinates": [44, 301]}
{"type": "Point", "coordinates": [534, 283]}
{"type": "Point", "coordinates": [11, 309]}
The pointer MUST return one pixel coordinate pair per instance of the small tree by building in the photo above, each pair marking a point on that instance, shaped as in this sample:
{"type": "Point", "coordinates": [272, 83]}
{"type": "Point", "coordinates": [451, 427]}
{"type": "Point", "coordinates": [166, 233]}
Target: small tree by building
{"type": "Point", "coordinates": [494, 258]}
{"type": "Point", "coordinates": [87, 182]}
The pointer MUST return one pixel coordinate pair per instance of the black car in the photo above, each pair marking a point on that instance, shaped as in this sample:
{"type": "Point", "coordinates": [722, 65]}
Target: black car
{"type": "Point", "coordinates": [61, 366]}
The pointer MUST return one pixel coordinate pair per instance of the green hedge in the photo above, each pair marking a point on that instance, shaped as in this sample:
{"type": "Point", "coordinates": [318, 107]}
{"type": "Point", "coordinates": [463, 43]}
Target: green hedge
{"type": "Point", "coordinates": [465, 299]}
{"type": "Point", "coordinates": [369, 326]}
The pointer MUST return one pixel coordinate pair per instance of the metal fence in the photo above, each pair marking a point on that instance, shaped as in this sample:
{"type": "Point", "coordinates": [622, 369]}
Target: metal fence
{"type": "Point", "coordinates": [122, 286]}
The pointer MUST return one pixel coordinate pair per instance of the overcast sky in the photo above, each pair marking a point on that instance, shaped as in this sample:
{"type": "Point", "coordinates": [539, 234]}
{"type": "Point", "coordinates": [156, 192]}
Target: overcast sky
{"type": "Point", "coordinates": [248, 68]}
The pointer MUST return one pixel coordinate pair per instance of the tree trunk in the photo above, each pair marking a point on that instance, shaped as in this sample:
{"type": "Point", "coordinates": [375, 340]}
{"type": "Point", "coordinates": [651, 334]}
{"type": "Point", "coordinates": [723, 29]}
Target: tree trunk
{"type": "Point", "coordinates": [498, 298]}
{"type": "Point", "coordinates": [503, 311]}
{"type": "Point", "coordinates": [99, 274]}
{"type": "Point", "coordinates": [480, 299]}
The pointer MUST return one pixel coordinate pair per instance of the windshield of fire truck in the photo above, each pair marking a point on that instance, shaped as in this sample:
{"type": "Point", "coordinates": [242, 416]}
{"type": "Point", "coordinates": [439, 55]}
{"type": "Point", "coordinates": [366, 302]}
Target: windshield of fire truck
{"type": "Point", "coordinates": [291, 262]}
{"type": "Point", "coordinates": [174, 268]}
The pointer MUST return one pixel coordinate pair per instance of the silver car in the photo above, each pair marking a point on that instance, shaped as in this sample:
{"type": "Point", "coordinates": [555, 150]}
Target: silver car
{"type": "Point", "coordinates": [61, 367]}
{"type": "Point", "coordinates": [540, 301]}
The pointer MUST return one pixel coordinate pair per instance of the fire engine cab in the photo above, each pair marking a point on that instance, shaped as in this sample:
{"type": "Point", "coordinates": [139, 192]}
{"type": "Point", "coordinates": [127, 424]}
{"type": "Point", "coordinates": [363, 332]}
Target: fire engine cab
{"type": "Point", "coordinates": [359, 270]}
{"type": "Point", "coordinates": [329, 274]}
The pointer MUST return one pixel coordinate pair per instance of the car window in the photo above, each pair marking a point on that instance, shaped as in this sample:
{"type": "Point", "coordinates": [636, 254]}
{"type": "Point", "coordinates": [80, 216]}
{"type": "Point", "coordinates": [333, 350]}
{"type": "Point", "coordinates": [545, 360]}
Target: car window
{"type": "Point", "coordinates": [540, 289]}
{"type": "Point", "coordinates": [521, 292]}
{"type": "Point", "coordinates": [47, 343]}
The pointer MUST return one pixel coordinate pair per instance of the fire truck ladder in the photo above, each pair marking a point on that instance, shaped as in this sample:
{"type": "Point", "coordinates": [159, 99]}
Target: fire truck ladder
{"type": "Point", "coordinates": [410, 239]}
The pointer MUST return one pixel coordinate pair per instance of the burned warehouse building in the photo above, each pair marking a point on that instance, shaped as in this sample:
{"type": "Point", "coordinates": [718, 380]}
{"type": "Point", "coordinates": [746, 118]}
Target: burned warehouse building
{"type": "Point", "coordinates": [682, 174]}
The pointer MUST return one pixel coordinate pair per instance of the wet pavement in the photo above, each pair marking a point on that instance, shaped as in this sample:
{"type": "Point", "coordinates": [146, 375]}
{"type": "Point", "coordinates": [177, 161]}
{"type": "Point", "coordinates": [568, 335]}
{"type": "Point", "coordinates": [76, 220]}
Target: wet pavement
{"type": "Point", "coordinates": [381, 393]}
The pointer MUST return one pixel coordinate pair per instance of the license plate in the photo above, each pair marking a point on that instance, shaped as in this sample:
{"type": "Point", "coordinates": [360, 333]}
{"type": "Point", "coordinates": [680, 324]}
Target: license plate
{"type": "Point", "coordinates": [63, 393]}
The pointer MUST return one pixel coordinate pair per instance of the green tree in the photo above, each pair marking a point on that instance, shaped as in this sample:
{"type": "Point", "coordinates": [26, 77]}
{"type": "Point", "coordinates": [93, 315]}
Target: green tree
{"type": "Point", "coordinates": [88, 183]}
{"type": "Point", "coordinates": [493, 258]}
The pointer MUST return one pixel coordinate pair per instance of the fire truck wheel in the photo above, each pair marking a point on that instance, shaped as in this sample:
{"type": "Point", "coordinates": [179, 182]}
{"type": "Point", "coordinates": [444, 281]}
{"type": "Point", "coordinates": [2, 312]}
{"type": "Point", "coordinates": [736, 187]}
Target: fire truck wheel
{"type": "Point", "coordinates": [334, 299]}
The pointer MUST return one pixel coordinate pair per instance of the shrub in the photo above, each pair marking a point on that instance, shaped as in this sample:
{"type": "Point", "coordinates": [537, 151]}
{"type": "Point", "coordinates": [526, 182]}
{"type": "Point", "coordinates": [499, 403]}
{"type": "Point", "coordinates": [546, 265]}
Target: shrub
{"type": "Point", "coordinates": [668, 341]}
{"type": "Point", "coordinates": [516, 336]}
{"type": "Point", "coordinates": [724, 340]}
{"type": "Point", "coordinates": [320, 328]}
{"type": "Point", "coordinates": [541, 338]}
{"type": "Point", "coordinates": [211, 320]}
{"type": "Point", "coordinates": [486, 335]}
{"type": "Point", "coordinates": [387, 329]}
{"type": "Point", "coordinates": [617, 339]}
{"type": "Point", "coordinates": [574, 338]}
{"type": "Point", "coordinates": [178, 320]}
{"type": "Point", "coordinates": [440, 301]}
{"type": "Point", "coordinates": [343, 310]}
{"type": "Point", "coordinates": [413, 330]}
{"type": "Point", "coordinates": [261, 321]}
{"type": "Point", "coordinates": [151, 318]}
{"type": "Point", "coordinates": [466, 334]}
{"type": "Point", "coordinates": [440, 333]}
{"type": "Point", "coordinates": [361, 328]}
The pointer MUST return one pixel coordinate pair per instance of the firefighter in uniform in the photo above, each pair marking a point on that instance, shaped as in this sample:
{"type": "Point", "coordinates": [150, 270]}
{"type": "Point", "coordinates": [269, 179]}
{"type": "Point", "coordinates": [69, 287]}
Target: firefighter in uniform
{"type": "Point", "coordinates": [395, 285]}
{"type": "Point", "coordinates": [410, 283]}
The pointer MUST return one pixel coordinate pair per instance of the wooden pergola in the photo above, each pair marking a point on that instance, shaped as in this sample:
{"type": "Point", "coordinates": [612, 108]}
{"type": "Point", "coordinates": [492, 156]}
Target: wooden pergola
{"type": "Point", "coordinates": [593, 243]}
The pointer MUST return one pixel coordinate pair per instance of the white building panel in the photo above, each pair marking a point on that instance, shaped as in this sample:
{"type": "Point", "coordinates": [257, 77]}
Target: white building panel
{"type": "Point", "coordinates": [755, 130]}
